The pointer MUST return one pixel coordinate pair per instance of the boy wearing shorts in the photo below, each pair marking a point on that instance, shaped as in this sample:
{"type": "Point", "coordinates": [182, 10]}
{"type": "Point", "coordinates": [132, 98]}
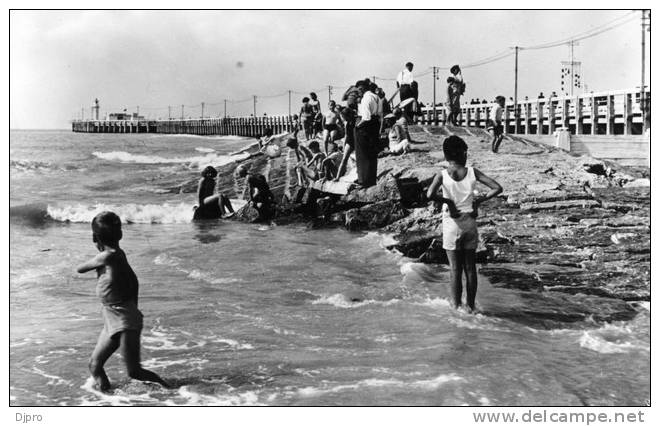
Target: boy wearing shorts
{"type": "Point", "coordinates": [495, 126]}
{"type": "Point", "coordinates": [117, 287]}
{"type": "Point", "coordinates": [459, 226]}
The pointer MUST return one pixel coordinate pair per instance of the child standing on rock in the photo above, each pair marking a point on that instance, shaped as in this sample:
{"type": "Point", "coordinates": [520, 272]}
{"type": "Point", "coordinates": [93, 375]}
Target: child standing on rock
{"type": "Point", "coordinates": [495, 126]}
{"type": "Point", "coordinates": [459, 226]}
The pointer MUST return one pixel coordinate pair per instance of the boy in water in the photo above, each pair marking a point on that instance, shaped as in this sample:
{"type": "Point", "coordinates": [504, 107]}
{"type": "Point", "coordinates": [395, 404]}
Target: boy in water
{"type": "Point", "coordinates": [495, 126]}
{"type": "Point", "coordinates": [117, 288]}
{"type": "Point", "coordinates": [459, 226]}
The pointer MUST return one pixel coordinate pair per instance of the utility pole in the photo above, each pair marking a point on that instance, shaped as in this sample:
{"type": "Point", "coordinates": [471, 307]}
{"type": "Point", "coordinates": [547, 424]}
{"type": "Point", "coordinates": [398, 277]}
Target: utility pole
{"type": "Point", "coordinates": [181, 112]}
{"type": "Point", "coordinates": [202, 110]}
{"type": "Point", "coordinates": [329, 93]}
{"type": "Point", "coordinates": [289, 103]}
{"type": "Point", "coordinates": [138, 110]}
{"type": "Point", "coordinates": [642, 90]}
{"type": "Point", "coordinates": [435, 110]}
{"type": "Point", "coordinates": [169, 112]}
{"type": "Point", "coordinates": [82, 113]}
{"type": "Point", "coordinates": [515, 94]}
{"type": "Point", "coordinates": [254, 104]}
{"type": "Point", "coordinates": [373, 77]}
{"type": "Point", "coordinates": [225, 108]}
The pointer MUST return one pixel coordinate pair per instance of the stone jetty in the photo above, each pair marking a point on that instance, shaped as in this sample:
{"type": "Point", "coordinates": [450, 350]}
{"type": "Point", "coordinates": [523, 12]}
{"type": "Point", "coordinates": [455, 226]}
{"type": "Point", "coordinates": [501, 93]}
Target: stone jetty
{"type": "Point", "coordinates": [569, 226]}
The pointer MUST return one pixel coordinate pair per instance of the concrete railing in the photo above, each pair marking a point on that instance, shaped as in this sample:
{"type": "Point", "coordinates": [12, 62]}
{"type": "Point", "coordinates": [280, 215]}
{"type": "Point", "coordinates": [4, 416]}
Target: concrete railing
{"type": "Point", "coordinates": [605, 113]}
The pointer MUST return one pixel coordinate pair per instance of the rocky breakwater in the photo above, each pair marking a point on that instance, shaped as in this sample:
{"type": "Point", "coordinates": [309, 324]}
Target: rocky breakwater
{"type": "Point", "coordinates": [568, 231]}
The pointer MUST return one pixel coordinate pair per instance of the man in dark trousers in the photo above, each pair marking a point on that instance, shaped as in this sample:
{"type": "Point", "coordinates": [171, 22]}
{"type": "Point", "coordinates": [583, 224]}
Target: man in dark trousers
{"type": "Point", "coordinates": [366, 136]}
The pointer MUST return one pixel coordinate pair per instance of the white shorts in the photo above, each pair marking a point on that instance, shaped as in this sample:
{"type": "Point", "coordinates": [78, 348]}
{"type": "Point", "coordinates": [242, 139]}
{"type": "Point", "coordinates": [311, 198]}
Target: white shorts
{"type": "Point", "coordinates": [400, 147]}
{"type": "Point", "coordinates": [460, 233]}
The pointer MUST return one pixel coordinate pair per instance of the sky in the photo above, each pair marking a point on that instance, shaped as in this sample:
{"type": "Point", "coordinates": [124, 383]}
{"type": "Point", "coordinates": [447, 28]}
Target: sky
{"type": "Point", "coordinates": [60, 61]}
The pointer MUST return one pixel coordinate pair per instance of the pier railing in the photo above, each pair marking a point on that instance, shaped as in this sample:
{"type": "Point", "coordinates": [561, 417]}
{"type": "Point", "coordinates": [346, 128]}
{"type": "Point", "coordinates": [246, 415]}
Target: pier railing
{"type": "Point", "coordinates": [239, 126]}
{"type": "Point", "coordinates": [604, 113]}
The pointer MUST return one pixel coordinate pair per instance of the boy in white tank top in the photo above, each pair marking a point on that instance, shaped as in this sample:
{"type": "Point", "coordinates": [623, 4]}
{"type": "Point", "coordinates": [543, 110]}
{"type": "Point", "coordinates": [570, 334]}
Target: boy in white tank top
{"type": "Point", "coordinates": [459, 226]}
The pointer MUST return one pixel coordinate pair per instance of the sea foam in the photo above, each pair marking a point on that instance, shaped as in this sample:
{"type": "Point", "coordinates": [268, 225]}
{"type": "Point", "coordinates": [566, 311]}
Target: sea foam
{"type": "Point", "coordinates": [199, 161]}
{"type": "Point", "coordinates": [129, 213]}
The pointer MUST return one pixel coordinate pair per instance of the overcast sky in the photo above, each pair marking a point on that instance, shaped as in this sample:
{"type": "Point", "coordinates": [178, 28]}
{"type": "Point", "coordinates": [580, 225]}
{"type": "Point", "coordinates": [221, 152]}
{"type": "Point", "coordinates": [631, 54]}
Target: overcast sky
{"type": "Point", "coordinates": [61, 60]}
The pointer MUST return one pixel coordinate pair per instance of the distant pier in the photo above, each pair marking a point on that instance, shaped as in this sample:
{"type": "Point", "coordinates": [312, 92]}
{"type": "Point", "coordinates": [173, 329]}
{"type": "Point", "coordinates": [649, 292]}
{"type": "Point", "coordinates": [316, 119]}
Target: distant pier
{"type": "Point", "coordinates": [239, 126]}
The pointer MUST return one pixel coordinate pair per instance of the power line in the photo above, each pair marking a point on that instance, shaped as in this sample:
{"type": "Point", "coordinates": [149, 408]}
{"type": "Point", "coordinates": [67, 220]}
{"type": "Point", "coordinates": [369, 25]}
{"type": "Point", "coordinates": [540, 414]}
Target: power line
{"type": "Point", "coordinates": [584, 35]}
{"type": "Point", "coordinates": [597, 30]}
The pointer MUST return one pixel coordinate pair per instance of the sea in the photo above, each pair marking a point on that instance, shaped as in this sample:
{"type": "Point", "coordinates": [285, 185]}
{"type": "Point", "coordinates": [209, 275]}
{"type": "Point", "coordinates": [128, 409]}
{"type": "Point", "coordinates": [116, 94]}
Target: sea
{"type": "Point", "coordinates": [261, 314]}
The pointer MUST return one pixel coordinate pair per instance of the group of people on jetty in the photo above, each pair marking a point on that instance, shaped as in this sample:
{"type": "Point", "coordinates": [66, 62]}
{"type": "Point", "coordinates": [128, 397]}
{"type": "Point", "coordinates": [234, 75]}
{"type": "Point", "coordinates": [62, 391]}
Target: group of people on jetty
{"type": "Point", "coordinates": [369, 127]}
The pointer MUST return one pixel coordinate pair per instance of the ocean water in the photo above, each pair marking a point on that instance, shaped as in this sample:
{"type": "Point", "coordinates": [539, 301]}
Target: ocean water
{"type": "Point", "coordinates": [239, 314]}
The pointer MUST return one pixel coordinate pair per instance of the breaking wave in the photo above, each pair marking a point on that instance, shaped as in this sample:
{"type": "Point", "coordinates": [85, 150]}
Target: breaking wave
{"type": "Point", "coordinates": [129, 213]}
{"type": "Point", "coordinates": [210, 159]}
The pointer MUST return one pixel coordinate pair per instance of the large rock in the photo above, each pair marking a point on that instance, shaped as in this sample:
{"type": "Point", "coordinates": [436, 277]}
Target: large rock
{"type": "Point", "coordinates": [566, 279]}
{"type": "Point", "coordinates": [387, 188]}
{"type": "Point", "coordinates": [374, 215]}
{"type": "Point", "coordinates": [548, 311]}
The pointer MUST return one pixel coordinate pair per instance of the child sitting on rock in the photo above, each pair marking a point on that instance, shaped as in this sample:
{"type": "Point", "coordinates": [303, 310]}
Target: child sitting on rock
{"type": "Point", "coordinates": [260, 196]}
{"type": "Point", "coordinates": [330, 164]}
{"type": "Point", "coordinates": [310, 160]}
{"type": "Point", "coordinates": [211, 205]}
{"type": "Point", "coordinates": [459, 226]}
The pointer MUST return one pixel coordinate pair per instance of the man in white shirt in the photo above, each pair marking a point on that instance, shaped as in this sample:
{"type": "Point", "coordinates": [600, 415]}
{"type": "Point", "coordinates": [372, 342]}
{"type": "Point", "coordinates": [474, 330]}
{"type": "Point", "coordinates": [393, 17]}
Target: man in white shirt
{"type": "Point", "coordinates": [405, 76]}
{"type": "Point", "coordinates": [366, 136]}
{"type": "Point", "coordinates": [404, 81]}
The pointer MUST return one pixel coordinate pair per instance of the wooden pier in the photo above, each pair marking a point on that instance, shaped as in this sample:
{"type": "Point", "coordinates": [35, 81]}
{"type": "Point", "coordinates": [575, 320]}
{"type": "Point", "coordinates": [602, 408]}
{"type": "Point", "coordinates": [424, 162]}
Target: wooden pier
{"type": "Point", "coordinates": [114, 126]}
{"type": "Point", "coordinates": [608, 125]}
{"type": "Point", "coordinates": [238, 126]}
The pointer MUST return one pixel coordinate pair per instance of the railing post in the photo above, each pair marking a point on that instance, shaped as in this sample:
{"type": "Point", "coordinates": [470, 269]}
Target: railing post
{"type": "Point", "coordinates": [627, 114]}
{"type": "Point", "coordinates": [468, 113]}
{"type": "Point", "coordinates": [528, 118]}
{"type": "Point", "coordinates": [551, 117]}
{"type": "Point", "coordinates": [579, 119]}
{"type": "Point", "coordinates": [539, 117]}
{"type": "Point", "coordinates": [646, 112]}
{"type": "Point", "coordinates": [594, 116]}
{"type": "Point", "coordinates": [609, 115]}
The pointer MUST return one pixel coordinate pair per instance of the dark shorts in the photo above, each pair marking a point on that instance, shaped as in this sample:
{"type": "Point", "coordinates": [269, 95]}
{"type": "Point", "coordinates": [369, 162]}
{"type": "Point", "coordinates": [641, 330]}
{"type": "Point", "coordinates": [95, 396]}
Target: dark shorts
{"type": "Point", "coordinates": [331, 127]}
{"type": "Point", "coordinates": [498, 129]}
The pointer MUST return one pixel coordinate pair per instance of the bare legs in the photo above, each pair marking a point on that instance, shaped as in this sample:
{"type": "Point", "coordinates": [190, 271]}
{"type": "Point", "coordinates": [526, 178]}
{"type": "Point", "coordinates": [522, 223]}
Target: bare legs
{"type": "Point", "coordinates": [348, 149]}
{"type": "Point", "coordinates": [130, 351]}
{"type": "Point", "coordinates": [223, 203]}
{"type": "Point", "coordinates": [462, 261]}
{"type": "Point", "coordinates": [497, 140]}
{"type": "Point", "coordinates": [105, 346]}
{"type": "Point", "coordinates": [129, 341]}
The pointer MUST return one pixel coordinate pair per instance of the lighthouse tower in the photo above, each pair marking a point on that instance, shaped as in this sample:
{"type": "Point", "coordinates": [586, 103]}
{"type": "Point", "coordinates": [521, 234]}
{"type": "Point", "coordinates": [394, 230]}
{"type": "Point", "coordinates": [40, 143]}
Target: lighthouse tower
{"type": "Point", "coordinates": [95, 110]}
